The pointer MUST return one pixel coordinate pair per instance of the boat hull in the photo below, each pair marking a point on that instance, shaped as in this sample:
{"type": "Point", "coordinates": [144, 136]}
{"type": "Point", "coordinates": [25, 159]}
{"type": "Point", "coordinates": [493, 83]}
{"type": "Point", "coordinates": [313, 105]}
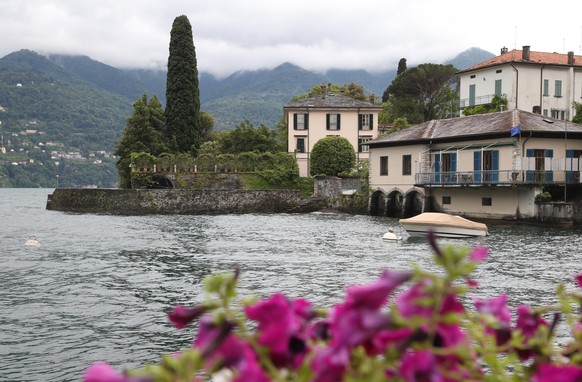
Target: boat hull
{"type": "Point", "coordinates": [443, 225]}
{"type": "Point", "coordinates": [419, 230]}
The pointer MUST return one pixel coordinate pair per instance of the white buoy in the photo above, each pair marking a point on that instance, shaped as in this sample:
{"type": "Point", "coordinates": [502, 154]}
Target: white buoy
{"type": "Point", "coordinates": [391, 236]}
{"type": "Point", "coordinates": [32, 242]}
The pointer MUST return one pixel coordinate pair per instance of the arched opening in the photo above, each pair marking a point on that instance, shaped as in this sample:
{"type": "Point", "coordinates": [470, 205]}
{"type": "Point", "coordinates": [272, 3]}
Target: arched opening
{"type": "Point", "coordinates": [412, 204]}
{"type": "Point", "coordinates": [161, 181]}
{"type": "Point", "coordinates": [394, 204]}
{"type": "Point", "coordinates": [377, 204]}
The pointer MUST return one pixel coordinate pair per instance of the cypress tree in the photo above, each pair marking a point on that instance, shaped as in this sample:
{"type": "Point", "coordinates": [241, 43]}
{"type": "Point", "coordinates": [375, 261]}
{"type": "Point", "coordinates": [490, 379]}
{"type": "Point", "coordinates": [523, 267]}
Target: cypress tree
{"type": "Point", "coordinates": [183, 122]}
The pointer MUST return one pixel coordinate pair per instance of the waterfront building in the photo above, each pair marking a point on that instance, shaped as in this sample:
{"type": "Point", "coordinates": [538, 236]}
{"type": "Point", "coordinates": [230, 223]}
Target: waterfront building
{"type": "Point", "coordinates": [330, 114]}
{"type": "Point", "coordinates": [483, 166]}
{"type": "Point", "coordinates": [538, 82]}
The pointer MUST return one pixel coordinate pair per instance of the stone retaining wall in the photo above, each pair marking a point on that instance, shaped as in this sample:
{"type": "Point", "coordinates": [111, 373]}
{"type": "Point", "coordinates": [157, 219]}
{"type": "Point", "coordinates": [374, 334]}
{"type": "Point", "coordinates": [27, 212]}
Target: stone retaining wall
{"type": "Point", "coordinates": [162, 201]}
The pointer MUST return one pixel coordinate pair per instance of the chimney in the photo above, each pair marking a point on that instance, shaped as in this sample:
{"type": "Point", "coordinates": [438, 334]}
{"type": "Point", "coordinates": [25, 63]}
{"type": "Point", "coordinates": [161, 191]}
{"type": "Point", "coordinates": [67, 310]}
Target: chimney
{"type": "Point", "coordinates": [342, 90]}
{"type": "Point", "coordinates": [372, 97]}
{"type": "Point", "coordinates": [323, 88]}
{"type": "Point", "coordinates": [525, 53]}
{"type": "Point", "coordinates": [570, 58]}
{"type": "Point", "coordinates": [504, 50]}
{"type": "Point", "coordinates": [329, 87]}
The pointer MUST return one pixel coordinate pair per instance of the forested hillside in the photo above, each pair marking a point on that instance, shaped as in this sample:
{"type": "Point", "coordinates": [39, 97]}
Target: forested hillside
{"type": "Point", "coordinates": [71, 110]}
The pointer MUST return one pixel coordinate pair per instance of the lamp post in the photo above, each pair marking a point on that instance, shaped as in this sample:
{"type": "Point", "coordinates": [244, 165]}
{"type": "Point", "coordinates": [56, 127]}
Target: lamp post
{"type": "Point", "coordinates": [57, 180]}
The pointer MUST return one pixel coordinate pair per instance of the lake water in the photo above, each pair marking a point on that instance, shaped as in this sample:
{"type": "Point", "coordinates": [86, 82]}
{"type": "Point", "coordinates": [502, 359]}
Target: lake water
{"type": "Point", "coordinates": [99, 287]}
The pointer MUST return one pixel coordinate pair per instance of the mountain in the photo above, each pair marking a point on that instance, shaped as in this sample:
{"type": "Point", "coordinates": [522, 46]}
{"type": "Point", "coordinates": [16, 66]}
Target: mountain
{"type": "Point", "coordinates": [76, 106]}
{"type": "Point", "coordinates": [470, 57]}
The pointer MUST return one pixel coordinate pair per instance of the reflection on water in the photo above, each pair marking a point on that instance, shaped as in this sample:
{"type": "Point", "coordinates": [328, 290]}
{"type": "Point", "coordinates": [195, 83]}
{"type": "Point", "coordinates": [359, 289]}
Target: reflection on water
{"type": "Point", "coordinates": [98, 287]}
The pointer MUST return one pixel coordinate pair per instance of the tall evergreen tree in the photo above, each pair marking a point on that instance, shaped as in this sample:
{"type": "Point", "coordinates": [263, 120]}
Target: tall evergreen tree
{"type": "Point", "coordinates": [184, 125]}
{"type": "Point", "coordinates": [401, 66]}
{"type": "Point", "coordinates": [143, 133]}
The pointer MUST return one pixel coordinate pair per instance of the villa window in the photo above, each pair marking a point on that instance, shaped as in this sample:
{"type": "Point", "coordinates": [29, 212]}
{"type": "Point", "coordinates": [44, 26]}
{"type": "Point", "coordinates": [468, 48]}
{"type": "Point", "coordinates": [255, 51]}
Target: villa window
{"type": "Point", "coordinates": [300, 144]}
{"type": "Point", "coordinates": [446, 200]}
{"type": "Point", "coordinates": [472, 94]}
{"type": "Point", "coordinates": [300, 121]}
{"type": "Point", "coordinates": [362, 147]}
{"type": "Point", "coordinates": [333, 121]}
{"type": "Point", "coordinates": [365, 121]}
{"type": "Point", "coordinates": [558, 88]}
{"type": "Point", "coordinates": [384, 165]}
{"type": "Point", "coordinates": [486, 201]}
{"type": "Point", "coordinates": [498, 88]}
{"type": "Point", "coordinates": [406, 164]}
{"type": "Point", "coordinates": [558, 114]}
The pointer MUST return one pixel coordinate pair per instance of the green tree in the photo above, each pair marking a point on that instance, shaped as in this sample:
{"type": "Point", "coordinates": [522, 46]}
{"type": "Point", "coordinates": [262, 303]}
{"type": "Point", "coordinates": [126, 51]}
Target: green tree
{"type": "Point", "coordinates": [184, 124]}
{"type": "Point", "coordinates": [143, 133]}
{"type": "Point", "coordinates": [578, 117]}
{"type": "Point", "coordinates": [423, 93]}
{"type": "Point", "coordinates": [245, 137]}
{"type": "Point", "coordinates": [352, 90]}
{"type": "Point", "coordinates": [401, 66]}
{"type": "Point", "coordinates": [332, 155]}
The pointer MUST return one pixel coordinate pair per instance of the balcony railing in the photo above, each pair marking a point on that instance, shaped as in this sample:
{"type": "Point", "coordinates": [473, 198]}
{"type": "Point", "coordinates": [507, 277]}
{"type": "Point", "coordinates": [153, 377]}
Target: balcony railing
{"type": "Point", "coordinates": [498, 177]}
{"type": "Point", "coordinates": [481, 100]}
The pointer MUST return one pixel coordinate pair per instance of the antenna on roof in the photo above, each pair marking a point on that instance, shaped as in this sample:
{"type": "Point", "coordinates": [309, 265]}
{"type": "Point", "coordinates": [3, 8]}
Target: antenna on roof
{"type": "Point", "coordinates": [515, 39]}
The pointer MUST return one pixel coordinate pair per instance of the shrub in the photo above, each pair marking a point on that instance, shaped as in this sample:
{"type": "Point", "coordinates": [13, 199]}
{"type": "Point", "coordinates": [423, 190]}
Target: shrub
{"type": "Point", "coordinates": [332, 156]}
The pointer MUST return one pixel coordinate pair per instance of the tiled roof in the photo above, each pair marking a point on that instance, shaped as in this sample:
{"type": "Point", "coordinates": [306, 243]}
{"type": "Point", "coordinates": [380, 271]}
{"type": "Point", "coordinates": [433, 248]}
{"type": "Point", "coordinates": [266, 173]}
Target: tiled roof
{"type": "Point", "coordinates": [477, 127]}
{"type": "Point", "coordinates": [331, 101]}
{"type": "Point", "coordinates": [516, 56]}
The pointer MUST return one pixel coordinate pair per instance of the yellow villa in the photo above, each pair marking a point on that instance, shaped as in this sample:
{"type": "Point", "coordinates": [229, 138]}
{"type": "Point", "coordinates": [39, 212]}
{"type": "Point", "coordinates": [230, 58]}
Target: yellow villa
{"type": "Point", "coordinates": [330, 114]}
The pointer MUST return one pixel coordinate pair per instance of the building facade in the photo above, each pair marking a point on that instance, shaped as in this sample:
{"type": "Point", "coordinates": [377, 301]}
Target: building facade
{"type": "Point", "coordinates": [490, 166]}
{"type": "Point", "coordinates": [330, 114]}
{"type": "Point", "coordinates": [538, 82]}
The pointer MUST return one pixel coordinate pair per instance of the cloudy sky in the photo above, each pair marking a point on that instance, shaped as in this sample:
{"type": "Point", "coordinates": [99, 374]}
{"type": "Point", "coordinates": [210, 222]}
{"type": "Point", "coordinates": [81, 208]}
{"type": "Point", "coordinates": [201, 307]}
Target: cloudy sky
{"type": "Point", "coordinates": [231, 35]}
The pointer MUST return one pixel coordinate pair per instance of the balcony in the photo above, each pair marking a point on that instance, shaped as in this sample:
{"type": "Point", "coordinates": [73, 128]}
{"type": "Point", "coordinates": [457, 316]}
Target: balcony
{"type": "Point", "coordinates": [495, 178]}
{"type": "Point", "coordinates": [481, 100]}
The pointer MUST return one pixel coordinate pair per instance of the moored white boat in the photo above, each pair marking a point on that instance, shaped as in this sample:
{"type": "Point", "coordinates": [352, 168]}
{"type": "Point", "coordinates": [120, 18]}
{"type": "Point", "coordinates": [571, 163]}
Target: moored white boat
{"type": "Point", "coordinates": [443, 225]}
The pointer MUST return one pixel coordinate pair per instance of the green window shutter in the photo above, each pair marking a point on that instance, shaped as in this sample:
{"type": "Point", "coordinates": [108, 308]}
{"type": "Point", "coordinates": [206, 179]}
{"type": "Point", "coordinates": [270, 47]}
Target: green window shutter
{"type": "Point", "coordinates": [294, 121]}
{"type": "Point", "coordinates": [327, 121]}
{"type": "Point", "coordinates": [306, 121]}
{"type": "Point", "coordinates": [558, 88]}
{"type": "Point", "coordinates": [371, 121]}
{"type": "Point", "coordinates": [498, 87]}
{"type": "Point", "coordinates": [472, 94]}
{"type": "Point", "coordinates": [477, 165]}
{"type": "Point", "coordinates": [546, 87]}
{"type": "Point", "coordinates": [338, 121]}
{"type": "Point", "coordinates": [360, 121]}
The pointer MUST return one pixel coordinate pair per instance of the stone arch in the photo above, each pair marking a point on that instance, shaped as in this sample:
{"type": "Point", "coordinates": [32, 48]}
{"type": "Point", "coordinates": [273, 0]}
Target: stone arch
{"type": "Point", "coordinates": [413, 203]}
{"type": "Point", "coordinates": [377, 203]}
{"type": "Point", "coordinates": [161, 181]}
{"type": "Point", "coordinates": [394, 204]}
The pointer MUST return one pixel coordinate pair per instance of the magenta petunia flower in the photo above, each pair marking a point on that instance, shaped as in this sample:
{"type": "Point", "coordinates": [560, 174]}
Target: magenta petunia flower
{"type": "Point", "coordinates": [103, 372]}
{"type": "Point", "coordinates": [420, 366]}
{"type": "Point", "coordinates": [578, 279]}
{"type": "Point", "coordinates": [375, 294]}
{"type": "Point", "coordinates": [249, 368]}
{"type": "Point", "coordinates": [478, 254]}
{"type": "Point", "coordinates": [528, 321]}
{"type": "Point", "coordinates": [562, 373]}
{"type": "Point", "coordinates": [496, 307]}
{"type": "Point", "coordinates": [181, 316]}
{"type": "Point", "coordinates": [282, 327]}
{"type": "Point", "coordinates": [219, 346]}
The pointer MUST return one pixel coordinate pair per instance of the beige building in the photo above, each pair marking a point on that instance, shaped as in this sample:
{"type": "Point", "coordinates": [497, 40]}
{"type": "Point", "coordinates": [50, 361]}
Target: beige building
{"type": "Point", "coordinates": [482, 166]}
{"type": "Point", "coordinates": [538, 82]}
{"type": "Point", "coordinates": [330, 114]}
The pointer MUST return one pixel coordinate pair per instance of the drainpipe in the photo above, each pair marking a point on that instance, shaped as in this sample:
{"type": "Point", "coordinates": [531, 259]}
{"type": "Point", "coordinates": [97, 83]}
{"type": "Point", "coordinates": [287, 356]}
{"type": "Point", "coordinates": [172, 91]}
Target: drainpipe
{"type": "Point", "coordinates": [542, 89]}
{"type": "Point", "coordinates": [516, 85]}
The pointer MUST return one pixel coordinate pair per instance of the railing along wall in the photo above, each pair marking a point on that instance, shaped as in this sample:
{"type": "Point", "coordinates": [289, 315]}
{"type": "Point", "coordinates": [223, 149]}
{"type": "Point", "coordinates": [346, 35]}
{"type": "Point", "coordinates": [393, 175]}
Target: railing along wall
{"type": "Point", "coordinates": [497, 177]}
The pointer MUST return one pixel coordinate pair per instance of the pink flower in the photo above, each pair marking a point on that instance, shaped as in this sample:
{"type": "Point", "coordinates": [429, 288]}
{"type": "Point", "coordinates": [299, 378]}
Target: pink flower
{"type": "Point", "coordinates": [103, 372]}
{"type": "Point", "coordinates": [562, 373]}
{"type": "Point", "coordinates": [220, 347]}
{"type": "Point", "coordinates": [478, 254]}
{"type": "Point", "coordinates": [420, 366]}
{"type": "Point", "coordinates": [528, 322]}
{"type": "Point", "coordinates": [282, 327]}
{"type": "Point", "coordinates": [249, 368]}
{"type": "Point", "coordinates": [578, 279]}
{"type": "Point", "coordinates": [374, 295]}
{"type": "Point", "coordinates": [181, 316]}
{"type": "Point", "coordinates": [496, 307]}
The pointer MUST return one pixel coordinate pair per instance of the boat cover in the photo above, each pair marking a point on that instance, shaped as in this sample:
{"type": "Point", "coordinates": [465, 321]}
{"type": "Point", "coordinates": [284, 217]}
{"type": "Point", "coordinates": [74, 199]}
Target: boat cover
{"type": "Point", "coordinates": [441, 219]}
